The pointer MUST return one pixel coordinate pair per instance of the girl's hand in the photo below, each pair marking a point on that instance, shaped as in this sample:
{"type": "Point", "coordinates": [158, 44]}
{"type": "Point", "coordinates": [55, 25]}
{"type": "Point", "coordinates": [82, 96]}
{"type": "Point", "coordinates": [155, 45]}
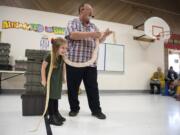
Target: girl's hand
{"type": "Point", "coordinates": [43, 82]}
{"type": "Point", "coordinates": [64, 81]}
{"type": "Point", "coordinates": [64, 74]}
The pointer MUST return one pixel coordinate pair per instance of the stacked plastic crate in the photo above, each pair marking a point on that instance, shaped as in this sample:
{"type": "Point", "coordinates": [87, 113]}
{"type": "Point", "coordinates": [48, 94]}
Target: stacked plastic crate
{"type": "Point", "coordinates": [33, 99]}
{"type": "Point", "coordinates": [20, 65]}
{"type": "Point", "coordinates": [4, 56]}
{"type": "Point", "coordinates": [33, 72]}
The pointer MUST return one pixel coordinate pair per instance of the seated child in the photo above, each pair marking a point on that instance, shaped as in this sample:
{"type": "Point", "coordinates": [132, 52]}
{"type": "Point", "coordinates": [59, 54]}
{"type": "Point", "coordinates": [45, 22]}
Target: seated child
{"type": "Point", "coordinates": [157, 81]}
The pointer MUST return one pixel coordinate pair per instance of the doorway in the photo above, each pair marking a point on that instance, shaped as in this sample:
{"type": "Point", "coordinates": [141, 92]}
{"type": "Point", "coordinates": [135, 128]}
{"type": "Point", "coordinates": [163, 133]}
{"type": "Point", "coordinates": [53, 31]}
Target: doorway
{"type": "Point", "coordinates": [174, 59]}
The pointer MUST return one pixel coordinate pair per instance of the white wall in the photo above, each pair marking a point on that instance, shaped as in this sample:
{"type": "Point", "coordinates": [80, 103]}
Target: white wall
{"type": "Point", "coordinates": [139, 62]}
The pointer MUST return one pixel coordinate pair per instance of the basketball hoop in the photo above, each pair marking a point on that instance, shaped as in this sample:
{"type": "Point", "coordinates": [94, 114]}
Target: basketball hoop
{"type": "Point", "coordinates": [157, 28]}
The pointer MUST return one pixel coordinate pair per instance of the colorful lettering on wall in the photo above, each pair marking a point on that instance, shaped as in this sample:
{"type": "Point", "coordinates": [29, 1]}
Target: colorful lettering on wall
{"type": "Point", "coordinates": [33, 27]}
{"type": "Point", "coordinates": [173, 42]}
{"type": "Point", "coordinates": [57, 30]}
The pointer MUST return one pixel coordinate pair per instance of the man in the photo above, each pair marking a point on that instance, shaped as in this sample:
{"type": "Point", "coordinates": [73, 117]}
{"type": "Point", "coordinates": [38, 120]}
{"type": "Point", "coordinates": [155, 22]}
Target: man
{"type": "Point", "coordinates": [81, 36]}
{"type": "Point", "coordinates": [172, 75]}
{"type": "Point", "coordinates": [171, 78]}
{"type": "Point", "coordinates": [157, 80]}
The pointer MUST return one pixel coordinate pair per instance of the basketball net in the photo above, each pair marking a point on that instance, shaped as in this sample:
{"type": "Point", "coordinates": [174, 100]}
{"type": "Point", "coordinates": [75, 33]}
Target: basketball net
{"type": "Point", "coordinates": [163, 36]}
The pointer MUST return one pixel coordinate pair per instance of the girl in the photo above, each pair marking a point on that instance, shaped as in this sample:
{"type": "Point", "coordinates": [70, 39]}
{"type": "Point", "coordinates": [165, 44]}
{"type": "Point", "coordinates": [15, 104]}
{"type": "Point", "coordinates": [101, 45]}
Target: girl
{"type": "Point", "coordinates": [59, 48]}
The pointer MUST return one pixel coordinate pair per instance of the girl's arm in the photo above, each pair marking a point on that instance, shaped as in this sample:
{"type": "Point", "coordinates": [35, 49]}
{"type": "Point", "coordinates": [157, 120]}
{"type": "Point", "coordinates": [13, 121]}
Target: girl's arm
{"type": "Point", "coordinates": [43, 73]}
{"type": "Point", "coordinates": [64, 73]}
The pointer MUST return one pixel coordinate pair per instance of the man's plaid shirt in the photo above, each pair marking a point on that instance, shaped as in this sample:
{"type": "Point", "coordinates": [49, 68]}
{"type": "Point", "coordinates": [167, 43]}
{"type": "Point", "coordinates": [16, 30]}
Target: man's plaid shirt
{"type": "Point", "coordinates": [80, 50]}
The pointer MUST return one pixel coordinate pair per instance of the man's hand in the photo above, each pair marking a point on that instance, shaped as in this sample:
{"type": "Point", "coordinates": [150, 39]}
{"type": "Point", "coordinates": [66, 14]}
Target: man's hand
{"type": "Point", "coordinates": [107, 32]}
{"type": "Point", "coordinates": [104, 35]}
{"type": "Point", "coordinates": [64, 81]}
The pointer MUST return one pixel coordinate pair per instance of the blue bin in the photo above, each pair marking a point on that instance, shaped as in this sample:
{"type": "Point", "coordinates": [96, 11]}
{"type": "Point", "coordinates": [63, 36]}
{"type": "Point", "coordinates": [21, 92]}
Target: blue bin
{"type": "Point", "coordinates": [166, 92]}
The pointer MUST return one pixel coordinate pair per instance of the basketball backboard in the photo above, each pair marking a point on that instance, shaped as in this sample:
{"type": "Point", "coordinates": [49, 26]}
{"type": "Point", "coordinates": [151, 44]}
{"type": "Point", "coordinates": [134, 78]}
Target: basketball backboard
{"type": "Point", "coordinates": [157, 28]}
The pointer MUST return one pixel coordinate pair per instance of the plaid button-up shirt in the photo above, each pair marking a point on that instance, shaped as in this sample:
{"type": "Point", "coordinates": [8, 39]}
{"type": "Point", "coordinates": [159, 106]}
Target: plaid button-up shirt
{"type": "Point", "coordinates": [80, 50]}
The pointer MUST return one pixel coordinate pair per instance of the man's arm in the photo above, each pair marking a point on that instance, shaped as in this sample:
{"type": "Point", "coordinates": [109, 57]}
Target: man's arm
{"type": "Point", "coordinates": [74, 34]}
{"type": "Point", "coordinates": [83, 35]}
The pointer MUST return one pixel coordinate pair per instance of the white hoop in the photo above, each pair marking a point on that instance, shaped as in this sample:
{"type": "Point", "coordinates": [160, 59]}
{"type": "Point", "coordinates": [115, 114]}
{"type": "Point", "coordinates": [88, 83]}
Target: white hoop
{"type": "Point", "coordinates": [165, 35]}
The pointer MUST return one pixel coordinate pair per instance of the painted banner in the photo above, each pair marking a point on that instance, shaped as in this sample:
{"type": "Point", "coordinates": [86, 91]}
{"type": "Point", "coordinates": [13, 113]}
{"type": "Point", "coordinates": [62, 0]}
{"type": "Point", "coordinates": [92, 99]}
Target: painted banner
{"type": "Point", "coordinates": [33, 27]}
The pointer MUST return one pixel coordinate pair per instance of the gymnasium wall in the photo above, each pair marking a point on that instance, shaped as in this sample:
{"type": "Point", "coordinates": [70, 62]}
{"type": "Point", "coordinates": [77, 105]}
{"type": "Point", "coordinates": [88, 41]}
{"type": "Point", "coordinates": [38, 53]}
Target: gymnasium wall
{"type": "Point", "coordinates": [140, 60]}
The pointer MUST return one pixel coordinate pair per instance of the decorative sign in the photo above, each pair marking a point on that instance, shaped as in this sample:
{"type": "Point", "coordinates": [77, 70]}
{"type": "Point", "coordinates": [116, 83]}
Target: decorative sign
{"type": "Point", "coordinates": [44, 43]}
{"type": "Point", "coordinates": [32, 27]}
{"type": "Point", "coordinates": [173, 42]}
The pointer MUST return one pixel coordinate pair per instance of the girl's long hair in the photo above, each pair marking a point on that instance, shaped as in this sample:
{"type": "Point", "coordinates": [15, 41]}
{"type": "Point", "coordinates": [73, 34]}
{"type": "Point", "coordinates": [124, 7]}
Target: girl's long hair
{"type": "Point", "coordinates": [56, 43]}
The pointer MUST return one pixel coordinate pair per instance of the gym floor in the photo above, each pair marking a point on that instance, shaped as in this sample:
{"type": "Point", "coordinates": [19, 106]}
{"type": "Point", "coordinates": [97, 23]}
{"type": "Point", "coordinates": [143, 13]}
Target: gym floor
{"type": "Point", "coordinates": [137, 114]}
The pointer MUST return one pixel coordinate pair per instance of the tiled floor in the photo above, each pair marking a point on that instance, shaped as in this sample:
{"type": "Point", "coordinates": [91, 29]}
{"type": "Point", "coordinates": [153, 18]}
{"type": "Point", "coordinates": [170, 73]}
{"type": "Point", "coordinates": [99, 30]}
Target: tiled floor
{"type": "Point", "coordinates": [126, 115]}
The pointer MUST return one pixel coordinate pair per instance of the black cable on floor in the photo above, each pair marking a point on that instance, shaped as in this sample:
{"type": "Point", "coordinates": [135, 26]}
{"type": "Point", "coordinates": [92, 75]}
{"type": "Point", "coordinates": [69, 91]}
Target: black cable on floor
{"type": "Point", "coordinates": [48, 127]}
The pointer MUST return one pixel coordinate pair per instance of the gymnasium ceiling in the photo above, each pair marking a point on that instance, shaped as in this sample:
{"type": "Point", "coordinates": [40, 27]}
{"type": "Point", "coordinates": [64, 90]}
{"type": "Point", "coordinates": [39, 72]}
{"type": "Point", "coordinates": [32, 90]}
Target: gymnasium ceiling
{"type": "Point", "coordinates": [131, 12]}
